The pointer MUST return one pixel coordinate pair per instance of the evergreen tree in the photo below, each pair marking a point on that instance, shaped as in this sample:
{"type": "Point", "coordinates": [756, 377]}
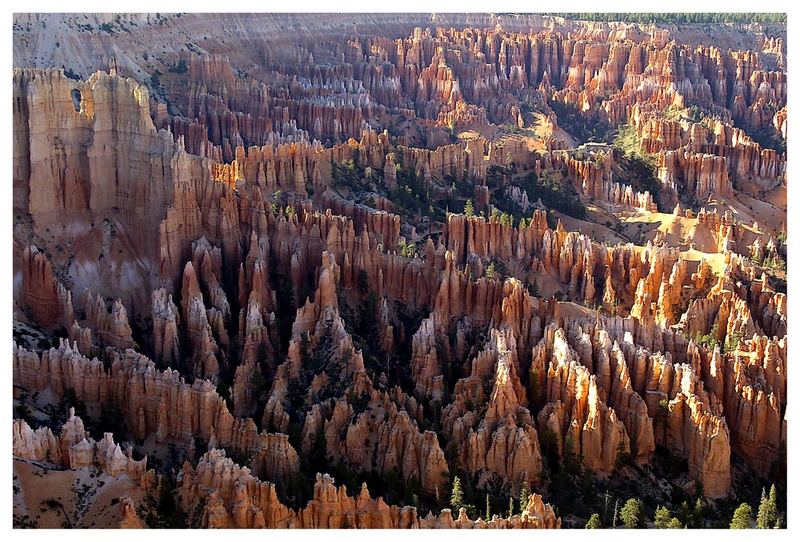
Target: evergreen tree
{"type": "Point", "coordinates": [763, 512]}
{"type": "Point", "coordinates": [631, 513]}
{"type": "Point", "coordinates": [684, 513]}
{"type": "Point", "coordinates": [524, 495]}
{"type": "Point", "coordinates": [469, 210]}
{"type": "Point", "coordinates": [258, 383]}
{"type": "Point", "coordinates": [674, 523]}
{"type": "Point", "coordinates": [510, 506]}
{"type": "Point", "coordinates": [767, 509]}
{"type": "Point", "coordinates": [773, 499]}
{"type": "Point", "coordinates": [488, 510]}
{"type": "Point", "coordinates": [662, 518]}
{"type": "Point", "coordinates": [570, 463]}
{"type": "Point", "coordinates": [699, 512]}
{"type": "Point", "coordinates": [533, 288]}
{"type": "Point", "coordinates": [742, 517]}
{"type": "Point", "coordinates": [456, 495]}
{"type": "Point", "coordinates": [594, 522]}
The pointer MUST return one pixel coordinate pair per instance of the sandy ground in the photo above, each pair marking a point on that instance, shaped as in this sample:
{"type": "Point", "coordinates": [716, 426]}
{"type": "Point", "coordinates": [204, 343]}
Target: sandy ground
{"type": "Point", "coordinates": [598, 232]}
{"type": "Point", "coordinates": [747, 209]}
{"type": "Point", "coordinates": [80, 498]}
{"type": "Point", "coordinates": [715, 261]}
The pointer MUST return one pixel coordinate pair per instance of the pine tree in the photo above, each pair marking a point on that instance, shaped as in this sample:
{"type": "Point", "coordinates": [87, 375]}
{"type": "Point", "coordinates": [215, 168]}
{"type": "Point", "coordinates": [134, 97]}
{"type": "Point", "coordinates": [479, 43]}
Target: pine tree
{"type": "Point", "coordinates": [524, 495]}
{"type": "Point", "coordinates": [594, 522]}
{"type": "Point", "coordinates": [685, 513]}
{"type": "Point", "coordinates": [767, 509]}
{"type": "Point", "coordinates": [456, 495]}
{"type": "Point", "coordinates": [488, 510]}
{"type": "Point", "coordinates": [674, 523]}
{"type": "Point", "coordinates": [469, 210]}
{"type": "Point", "coordinates": [258, 383]}
{"type": "Point", "coordinates": [763, 512]}
{"type": "Point", "coordinates": [742, 517]}
{"type": "Point", "coordinates": [533, 288]}
{"type": "Point", "coordinates": [662, 518]}
{"type": "Point", "coordinates": [510, 506]}
{"type": "Point", "coordinates": [631, 513]}
{"type": "Point", "coordinates": [570, 459]}
{"type": "Point", "coordinates": [699, 512]}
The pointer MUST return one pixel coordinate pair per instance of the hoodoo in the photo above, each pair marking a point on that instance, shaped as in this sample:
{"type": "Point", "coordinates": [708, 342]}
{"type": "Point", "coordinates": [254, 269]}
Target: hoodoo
{"type": "Point", "coordinates": [399, 271]}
